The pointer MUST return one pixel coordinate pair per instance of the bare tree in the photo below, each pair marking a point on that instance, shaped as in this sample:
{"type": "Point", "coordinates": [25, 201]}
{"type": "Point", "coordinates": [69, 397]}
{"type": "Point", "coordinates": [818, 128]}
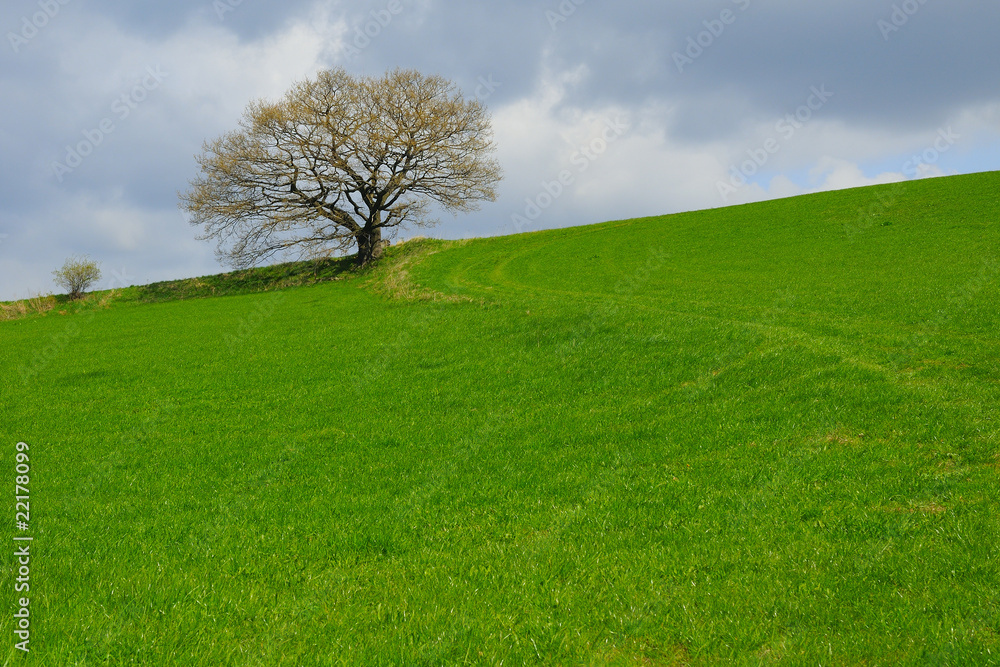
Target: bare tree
{"type": "Point", "coordinates": [77, 275]}
{"type": "Point", "coordinates": [338, 161]}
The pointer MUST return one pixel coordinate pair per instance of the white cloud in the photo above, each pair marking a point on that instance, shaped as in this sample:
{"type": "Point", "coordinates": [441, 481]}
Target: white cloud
{"type": "Point", "coordinates": [211, 74]}
{"type": "Point", "coordinates": [839, 174]}
{"type": "Point", "coordinates": [560, 92]}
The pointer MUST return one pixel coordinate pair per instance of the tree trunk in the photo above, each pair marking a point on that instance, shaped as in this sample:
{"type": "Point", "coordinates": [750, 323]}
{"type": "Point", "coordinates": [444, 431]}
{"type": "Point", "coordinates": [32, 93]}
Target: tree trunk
{"type": "Point", "coordinates": [370, 245]}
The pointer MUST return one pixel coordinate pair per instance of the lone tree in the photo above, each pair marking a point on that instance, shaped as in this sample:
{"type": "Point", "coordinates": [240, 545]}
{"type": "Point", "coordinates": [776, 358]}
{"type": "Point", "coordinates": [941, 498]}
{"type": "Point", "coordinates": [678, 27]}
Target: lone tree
{"type": "Point", "coordinates": [76, 275]}
{"type": "Point", "coordinates": [338, 160]}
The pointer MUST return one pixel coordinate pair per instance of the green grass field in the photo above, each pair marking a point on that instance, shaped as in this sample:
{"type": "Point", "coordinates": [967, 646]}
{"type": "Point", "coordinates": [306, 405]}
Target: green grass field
{"type": "Point", "coordinates": [760, 435]}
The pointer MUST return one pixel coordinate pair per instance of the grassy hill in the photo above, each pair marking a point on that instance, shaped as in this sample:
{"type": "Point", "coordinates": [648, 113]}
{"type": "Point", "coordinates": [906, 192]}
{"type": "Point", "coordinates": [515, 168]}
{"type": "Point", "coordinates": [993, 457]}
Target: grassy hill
{"type": "Point", "coordinates": [765, 434]}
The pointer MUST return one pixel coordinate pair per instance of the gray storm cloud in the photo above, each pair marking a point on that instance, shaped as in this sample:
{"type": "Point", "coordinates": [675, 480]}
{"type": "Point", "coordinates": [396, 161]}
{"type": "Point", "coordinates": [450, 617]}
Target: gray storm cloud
{"type": "Point", "coordinates": [105, 103]}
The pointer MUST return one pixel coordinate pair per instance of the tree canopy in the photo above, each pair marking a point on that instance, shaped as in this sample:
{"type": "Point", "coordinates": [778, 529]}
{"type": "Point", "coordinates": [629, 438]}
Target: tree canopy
{"type": "Point", "coordinates": [77, 275]}
{"type": "Point", "coordinates": [338, 161]}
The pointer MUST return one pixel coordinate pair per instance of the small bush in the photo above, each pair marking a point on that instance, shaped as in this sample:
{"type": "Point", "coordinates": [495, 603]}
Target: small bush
{"type": "Point", "coordinates": [77, 275]}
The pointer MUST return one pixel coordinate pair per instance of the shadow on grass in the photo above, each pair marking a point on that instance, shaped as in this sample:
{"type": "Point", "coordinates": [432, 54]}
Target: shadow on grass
{"type": "Point", "coordinates": [388, 276]}
{"type": "Point", "coordinates": [261, 279]}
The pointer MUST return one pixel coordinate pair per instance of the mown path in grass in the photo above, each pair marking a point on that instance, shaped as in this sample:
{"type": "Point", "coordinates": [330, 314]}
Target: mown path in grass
{"type": "Point", "coordinates": [763, 435]}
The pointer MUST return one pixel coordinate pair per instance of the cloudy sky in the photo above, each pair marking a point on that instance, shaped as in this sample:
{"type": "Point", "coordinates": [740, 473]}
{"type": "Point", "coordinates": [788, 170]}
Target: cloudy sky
{"type": "Point", "coordinates": [643, 108]}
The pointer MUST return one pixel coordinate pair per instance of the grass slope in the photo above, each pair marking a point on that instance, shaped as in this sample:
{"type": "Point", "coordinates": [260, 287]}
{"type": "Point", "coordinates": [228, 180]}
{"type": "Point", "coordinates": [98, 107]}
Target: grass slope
{"type": "Point", "coordinates": [756, 435]}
